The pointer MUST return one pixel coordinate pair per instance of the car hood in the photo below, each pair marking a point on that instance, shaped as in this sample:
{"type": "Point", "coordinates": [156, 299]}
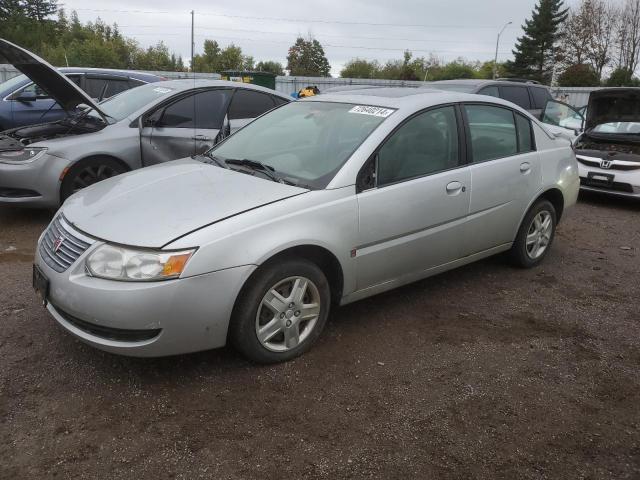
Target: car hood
{"type": "Point", "coordinates": [59, 87]}
{"type": "Point", "coordinates": [154, 206]}
{"type": "Point", "coordinates": [613, 105]}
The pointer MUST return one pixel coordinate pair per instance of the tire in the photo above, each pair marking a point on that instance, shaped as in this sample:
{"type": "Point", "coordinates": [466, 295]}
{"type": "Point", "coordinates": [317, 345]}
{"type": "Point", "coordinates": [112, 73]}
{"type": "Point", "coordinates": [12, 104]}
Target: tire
{"type": "Point", "coordinates": [535, 235]}
{"type": "Point", "coordinates": [88, 172]}
{"type": "Point", "coordinates": [280, 322]}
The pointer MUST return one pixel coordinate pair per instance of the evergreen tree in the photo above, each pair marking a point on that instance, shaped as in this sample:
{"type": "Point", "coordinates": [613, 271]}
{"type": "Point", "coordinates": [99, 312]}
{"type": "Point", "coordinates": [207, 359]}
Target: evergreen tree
{"type": "Point", "coordinates": [40, 10]}
{"type": "Point", "coordinates": [535, 52]}
{"type": "Point", "coordinates": [306, 58]}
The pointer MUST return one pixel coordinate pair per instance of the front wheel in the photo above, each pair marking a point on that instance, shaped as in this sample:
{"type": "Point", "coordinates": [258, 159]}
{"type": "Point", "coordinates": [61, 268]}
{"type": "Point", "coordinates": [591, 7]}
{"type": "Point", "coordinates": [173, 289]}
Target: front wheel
{"type": "Point", "coordinates": [281, 312]}
{"type": "Point", "coordinates": [535, 235]}
{"type": "Point", "coordinates": [88, 172]}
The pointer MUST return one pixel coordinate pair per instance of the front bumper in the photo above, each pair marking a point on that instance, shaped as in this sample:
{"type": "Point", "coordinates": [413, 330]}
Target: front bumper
{"type": "Point", "coordinates": [626, 183]}
{"type": "Point", "coordinates": [35, 184]}
{"type": "Point", "coordinates": [144, 319]}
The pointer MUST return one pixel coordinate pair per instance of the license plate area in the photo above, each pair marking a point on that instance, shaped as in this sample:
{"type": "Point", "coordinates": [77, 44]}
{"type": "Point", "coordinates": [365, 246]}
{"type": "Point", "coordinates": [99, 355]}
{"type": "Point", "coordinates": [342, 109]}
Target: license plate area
{"type": "Point", "coordinates": [40, 284]}
{"type": "Point", "coordinates": [598, 179]}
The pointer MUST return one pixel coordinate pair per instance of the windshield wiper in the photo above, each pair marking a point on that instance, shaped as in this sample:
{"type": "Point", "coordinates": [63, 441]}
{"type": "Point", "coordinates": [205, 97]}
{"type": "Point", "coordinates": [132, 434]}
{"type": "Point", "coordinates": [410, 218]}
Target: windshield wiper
{"type": "Point", "coordinates": [266, 170]}
{"type": "Point", "coordinates": [209, 159]}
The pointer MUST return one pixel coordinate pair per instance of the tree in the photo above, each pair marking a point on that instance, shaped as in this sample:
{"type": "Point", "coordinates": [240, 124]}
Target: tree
{"type": "Point", "coordinates": [360, 68]}
{"type": "Point", "coordinates": [621, 77]}
{"type": "Point", "coordinates": [576, 35]}
{"type": "Point", "coordinates": [216, 59]}
{"type": "Point", "coordinates": [582, 75]}
{"type": "Point", "coordinates": [628, 38]}
{"type": "Point", "coordinates": [270, 67]}
{"type": "Point", "coordinates": [603, 21]}
{"type": "Point", "coordinates": [306, 58]}
{"type": "Point", "coordinates": [535, 52]}
{"type": "Point", "coordinates": [40, 10]}
{"type": "Point", "coordinates": [454, 70]}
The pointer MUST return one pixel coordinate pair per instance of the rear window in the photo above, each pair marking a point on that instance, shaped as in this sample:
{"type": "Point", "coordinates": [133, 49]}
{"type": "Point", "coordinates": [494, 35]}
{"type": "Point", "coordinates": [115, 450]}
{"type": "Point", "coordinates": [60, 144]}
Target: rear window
{"type": "Point", "coordinates": [517, 95]}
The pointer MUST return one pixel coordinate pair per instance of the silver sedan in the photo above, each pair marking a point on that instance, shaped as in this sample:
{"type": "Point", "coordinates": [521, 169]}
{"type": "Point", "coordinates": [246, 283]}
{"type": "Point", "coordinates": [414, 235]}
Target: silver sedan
{"type": "Point", "coordinates": [318, 203]}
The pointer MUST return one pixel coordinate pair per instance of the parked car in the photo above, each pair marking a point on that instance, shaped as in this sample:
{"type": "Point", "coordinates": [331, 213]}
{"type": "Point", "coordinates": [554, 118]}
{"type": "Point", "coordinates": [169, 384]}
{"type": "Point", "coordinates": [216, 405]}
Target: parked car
{"type": "Point", "coordinates": [608, 151]}
{"type": "Point", "coordinates": [25, 102]}
{"type": "Point", "coordinates": [526, 94]}
{"type": "Point", "coordinates": [333, 198]}
{"type": "Point", "coordinates": [41, 165]}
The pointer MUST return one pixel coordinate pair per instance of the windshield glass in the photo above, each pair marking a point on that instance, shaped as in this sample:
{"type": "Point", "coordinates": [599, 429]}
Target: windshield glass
{"type": "Point", "coordinates": [124, 104]}
{"type": "Point", "coordinates": [10, 85]}
{"type": "Point", "coordinates": [305, 142]}
{"type": "Point", "coordinates": [455, 87]}
{"type": "Point", "coordinates": [618, 127]}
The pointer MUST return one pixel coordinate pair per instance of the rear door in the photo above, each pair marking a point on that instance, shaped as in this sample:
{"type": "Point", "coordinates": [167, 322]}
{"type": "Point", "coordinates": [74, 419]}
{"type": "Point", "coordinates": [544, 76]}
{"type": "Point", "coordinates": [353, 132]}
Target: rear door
{"type": "Point", "coordinates": [39, 110]}
{"type": "Point", "coordinates": [505, 174]}
{"type": "Point", "coordinates": [412, 218]}
{"type": "Point", "coordinates": [184, 127]}
{"type": "Point", "coordinates": [247, 105]}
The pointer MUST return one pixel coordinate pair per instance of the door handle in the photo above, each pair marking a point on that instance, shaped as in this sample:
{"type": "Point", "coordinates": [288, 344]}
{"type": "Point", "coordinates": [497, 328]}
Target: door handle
{"type": "Point", "coordinates": [525, 167]}
{"type": "Point", "coordinates": [202, 138]}
{"type": "Point", "coordinates": [454, 188]}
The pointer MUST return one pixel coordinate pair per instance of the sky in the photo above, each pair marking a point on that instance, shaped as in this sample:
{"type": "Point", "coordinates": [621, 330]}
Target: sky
{"type": "Point", "coordinates": [347, 29]}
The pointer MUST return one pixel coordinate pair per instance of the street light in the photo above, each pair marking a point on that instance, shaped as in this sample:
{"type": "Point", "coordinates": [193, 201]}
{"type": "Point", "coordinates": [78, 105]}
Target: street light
{"type": "Point", "coordinates": [495, 60]}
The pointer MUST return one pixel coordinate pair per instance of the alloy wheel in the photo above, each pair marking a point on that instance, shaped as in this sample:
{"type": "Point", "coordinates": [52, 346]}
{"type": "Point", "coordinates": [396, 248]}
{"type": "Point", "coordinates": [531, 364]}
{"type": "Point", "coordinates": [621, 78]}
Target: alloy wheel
{"type": "Point", "coordinates": [539, 234]}
{"type": "Point", "coordinates": [92, 174]}
{"type": "Point", "coordinates": [287, 314]}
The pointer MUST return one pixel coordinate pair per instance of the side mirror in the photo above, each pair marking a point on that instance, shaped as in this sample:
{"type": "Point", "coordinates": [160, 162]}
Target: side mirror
{"type": "Point", "coordinates": [26, 96]}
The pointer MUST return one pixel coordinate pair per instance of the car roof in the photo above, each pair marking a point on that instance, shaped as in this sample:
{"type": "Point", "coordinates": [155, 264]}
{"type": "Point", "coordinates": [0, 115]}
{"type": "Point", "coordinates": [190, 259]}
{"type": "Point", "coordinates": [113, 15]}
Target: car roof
{"type": "Point", "coordinates": [483, 82]}
{"type": "Point", "coordinates": [189, 83]}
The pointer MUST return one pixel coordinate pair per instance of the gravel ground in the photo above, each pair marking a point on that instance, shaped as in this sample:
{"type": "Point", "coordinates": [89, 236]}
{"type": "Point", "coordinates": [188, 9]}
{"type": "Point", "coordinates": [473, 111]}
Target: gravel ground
{"type": "Point", "coordinates": [483, 372]}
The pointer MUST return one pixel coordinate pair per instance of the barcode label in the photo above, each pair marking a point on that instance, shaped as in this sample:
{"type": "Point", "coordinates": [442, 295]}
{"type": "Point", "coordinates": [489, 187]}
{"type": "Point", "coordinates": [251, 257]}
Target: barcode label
{"type": "Point", "coordinates": [375, 111]}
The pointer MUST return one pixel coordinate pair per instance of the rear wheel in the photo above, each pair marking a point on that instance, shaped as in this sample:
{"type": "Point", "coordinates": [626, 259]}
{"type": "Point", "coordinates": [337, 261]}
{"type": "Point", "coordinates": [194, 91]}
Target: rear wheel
{"type": "Point", "coordinates": [88, 172]}
{"type": "Point", "coordinates": [535, 235]}
{"type": "Point", "coordinates": [281, 312]}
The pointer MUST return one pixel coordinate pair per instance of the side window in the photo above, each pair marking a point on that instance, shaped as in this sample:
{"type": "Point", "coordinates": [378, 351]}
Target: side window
{"type": "Point", "coordinates": [202, 110]}
{"type": "Point", "coordinates": [491, 90]}
{"type": "Point", "coordinates": [427, 143]}
{"type": "Point", "coordinates": [211, 107]}
{"type": "Point", "coordinates": [135, 83]}
{"type": "Point", "coordinates": [525, 140]}
{"type": "Point", "coordinates": [95, 86]}
{"type": "Point", "coordinates": [35, 89]}
{"type": "Point", "coordinates": [517, 95]}
{"type": "Point", "coordinates": [249, 104]}
{"type": "Point", "coordinates": [179, 114]}
{"type": "Point", "coordinates": [493, 132]}
{"type": "Point", "coordinates": [116, 86]}
{"type": "Point", "coordinates": [540, 97]}
{"type": "Point", "coordinates": [75, 79]}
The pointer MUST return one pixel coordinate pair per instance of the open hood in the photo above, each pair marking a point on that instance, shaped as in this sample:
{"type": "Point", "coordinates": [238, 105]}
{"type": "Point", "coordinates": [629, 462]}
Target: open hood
{"type": "Point", "coordinates": [611, 105]}
{"type": "Point", "coordinates": [59, 87]}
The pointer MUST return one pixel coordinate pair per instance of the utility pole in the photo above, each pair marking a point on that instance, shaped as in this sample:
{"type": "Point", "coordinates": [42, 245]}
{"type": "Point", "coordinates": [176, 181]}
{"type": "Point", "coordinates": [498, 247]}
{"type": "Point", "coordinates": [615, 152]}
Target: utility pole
{"type": "Point", "coordinates": [192, 44]}
{"type": "Point", "coordinates": [495, 59]}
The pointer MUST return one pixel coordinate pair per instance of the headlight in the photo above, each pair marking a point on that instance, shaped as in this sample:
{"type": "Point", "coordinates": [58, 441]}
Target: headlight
{"type": "Point", "coordinates": [25, 155]}
{"type": "Point", "coordinates": [126, 264]}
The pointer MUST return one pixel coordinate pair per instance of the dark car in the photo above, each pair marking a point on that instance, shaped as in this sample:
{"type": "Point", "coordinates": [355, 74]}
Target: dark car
{"type": "Point", "coordinates": [25, 103]}
{"type": "Point", "coordinates": [529, 95]}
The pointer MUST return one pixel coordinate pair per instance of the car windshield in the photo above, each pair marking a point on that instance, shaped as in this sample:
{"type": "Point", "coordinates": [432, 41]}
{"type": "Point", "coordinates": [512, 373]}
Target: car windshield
{"type": "Point", "coordinates": [304, 142]}
{"type": "Point", "coordinates": [455, 87]}
{"type": "Point", "coordinates": [11, 84]}
{"type": "Point", "coordinates": [124, 104]}
{"type": "Point", "coordinates": [624, 128]}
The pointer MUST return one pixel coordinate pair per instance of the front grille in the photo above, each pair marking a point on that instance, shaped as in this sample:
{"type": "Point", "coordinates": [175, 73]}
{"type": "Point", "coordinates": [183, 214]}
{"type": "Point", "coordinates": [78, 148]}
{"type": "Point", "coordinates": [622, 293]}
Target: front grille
{"type": "Point", "coordinates": [109, 333]}
{"type": "Point", "coordinates": [614, 165]}
{"type": "Point", "coordinates": [61, 245]}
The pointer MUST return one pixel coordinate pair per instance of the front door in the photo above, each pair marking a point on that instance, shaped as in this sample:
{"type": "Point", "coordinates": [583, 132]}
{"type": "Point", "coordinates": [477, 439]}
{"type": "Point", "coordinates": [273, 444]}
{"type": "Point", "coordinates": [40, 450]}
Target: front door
{"type": "Point", "coordinates": [505, 174]}
{"type": "Point", "coordinates": [413, 218]}
{"type": "Point", "coordinates": [185, 127]}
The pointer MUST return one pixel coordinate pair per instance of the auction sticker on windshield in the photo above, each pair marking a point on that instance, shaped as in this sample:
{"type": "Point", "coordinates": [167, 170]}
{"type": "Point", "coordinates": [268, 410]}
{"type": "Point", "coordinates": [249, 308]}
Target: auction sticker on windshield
{"type": "Point", "coordinates": [375, 111]}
